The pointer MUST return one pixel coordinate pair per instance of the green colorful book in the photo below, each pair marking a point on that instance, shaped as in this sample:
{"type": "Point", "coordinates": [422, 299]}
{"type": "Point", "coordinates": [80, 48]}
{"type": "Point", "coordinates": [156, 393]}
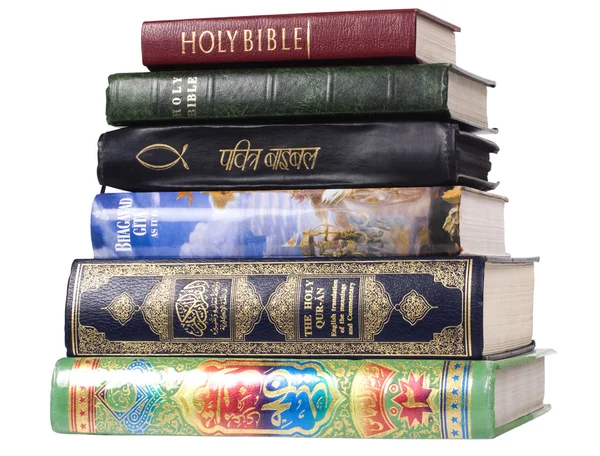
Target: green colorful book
{"type": "Point", "coordinates": [391, 398]}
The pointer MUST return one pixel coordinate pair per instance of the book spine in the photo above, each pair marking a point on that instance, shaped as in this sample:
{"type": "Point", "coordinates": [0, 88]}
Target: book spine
{"type": "Point", "coordinates": [393, 398]}
{"type": "Point", "coordinates": [245, 93]}
{"type": "Point", "coordinates": [380, 222]}
{"type": "Point", "coordinates": [340, 308]}
{"type": "Point", "coordinates": [280, 156]}
{"type": "Point", "coordinates": [346, 35]}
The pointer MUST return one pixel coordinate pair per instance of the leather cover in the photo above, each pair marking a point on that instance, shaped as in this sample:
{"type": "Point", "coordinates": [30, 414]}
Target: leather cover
{"type": "Point", "coordinates": [292, 156]}
{"type": "Point", "coordinates": [379, 398]}
{"type": "Point", "coordinates": [386, 222]}
{"type": "Point", "coordinates": [320, 36]}
{"type": "Point", "coordinates": [352, 307]}
{"type": "Point", "coordinates": [410, 91]}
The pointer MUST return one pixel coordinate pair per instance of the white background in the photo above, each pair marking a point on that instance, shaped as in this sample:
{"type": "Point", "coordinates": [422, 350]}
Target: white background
{"type": "Point", "coordinates": [55, 59]}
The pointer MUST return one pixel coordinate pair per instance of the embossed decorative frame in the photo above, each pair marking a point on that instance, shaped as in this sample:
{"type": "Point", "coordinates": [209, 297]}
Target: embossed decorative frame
{"type": "Point", "coordinates": [452, 341]}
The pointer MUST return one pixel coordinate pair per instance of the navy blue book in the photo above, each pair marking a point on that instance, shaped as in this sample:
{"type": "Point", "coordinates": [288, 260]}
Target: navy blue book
{"type": "Point", "coordinates": [460, 307]}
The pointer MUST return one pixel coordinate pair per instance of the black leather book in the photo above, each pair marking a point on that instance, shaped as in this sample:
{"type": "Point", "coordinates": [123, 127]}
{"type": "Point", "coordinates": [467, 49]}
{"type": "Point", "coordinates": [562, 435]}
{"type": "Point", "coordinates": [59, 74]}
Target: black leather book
{"type": "Point", "coordinates": [293, 156]}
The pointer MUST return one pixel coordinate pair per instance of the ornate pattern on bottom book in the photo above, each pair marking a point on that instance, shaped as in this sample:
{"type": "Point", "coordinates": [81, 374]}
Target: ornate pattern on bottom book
{"type": "Point", "coordinates": [326, 398]}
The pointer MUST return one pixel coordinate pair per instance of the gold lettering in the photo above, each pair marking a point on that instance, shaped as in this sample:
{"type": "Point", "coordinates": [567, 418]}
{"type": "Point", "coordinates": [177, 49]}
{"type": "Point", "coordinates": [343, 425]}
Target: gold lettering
{"type": "Point", "coordinates": [272, 159]}
{"type": "Point", "coordinates": [248, 44]}
{"type": "Point", "coordinates": [283, 159]}
{"type": "Point", "coordinates": [320, 295]}
{"type": "Point", "coordinates": [307, 325]}
{"type": "Point", "coordinates": [311, 156]}
{"type": "Point", "coordinates": [334, 290]}
{"type": "Point", "coordinates": [282, 393]}
{"type": "Point", "coordinates": [220, 35]}
{"type": "Point", "coordinates": [351, 302]}
{"type": "Point", "coordinates": [295, 158]}
{"type": "Point", "coordinates": [242, 156]}
{"type": "Point", "coordinates": [191, 113]}
{"type": "Point", "coordinates": [308, 294]}
{"type": "Point", "coordinates": [308, 39]}
{"type": "Point", "coordinates": [334, 325]}
{"type": "Point", "coordinates": [283, 40]}
{"type": "Point", "coordinates": [278, 408]}
{"type": "Point", "coordinates": [231, 38]}
{"type": "Point", "coordinates": [192, 307]}
{"type": "Point", "coordinates": [177, 88]}
{"type": "Point", "coordinates": [212, 41]}
{"type": "Point", "coordinates": [229, 163]}
{"type": "Point", "coordinates": [271, 39]}
{"type": "Point", "coordinates": [319, 309]}
{"type": "Point", "coordinates": [297, 38]}
{"type": "Point", "coordinates": [260, 40]}
{"type": "Point", "coordinates": [248, 156]}
{"type": "Point", "coordinates": [176, 112]}
{"type": "Point", "coordinates": [184, 42]}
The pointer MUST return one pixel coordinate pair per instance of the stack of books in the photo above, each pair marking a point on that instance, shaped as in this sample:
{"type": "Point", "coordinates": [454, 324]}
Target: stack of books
{"type": "Point", "coordinates": [307, 245]}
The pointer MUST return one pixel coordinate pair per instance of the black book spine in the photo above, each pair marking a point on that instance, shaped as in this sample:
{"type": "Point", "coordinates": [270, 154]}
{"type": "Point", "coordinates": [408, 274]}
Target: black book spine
{"type": "Point", "coordinates": [282, 156]}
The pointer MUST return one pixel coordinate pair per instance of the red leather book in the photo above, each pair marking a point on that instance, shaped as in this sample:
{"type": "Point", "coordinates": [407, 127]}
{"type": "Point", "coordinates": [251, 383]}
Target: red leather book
{"type": "Point", "coordinates": [409, 34]}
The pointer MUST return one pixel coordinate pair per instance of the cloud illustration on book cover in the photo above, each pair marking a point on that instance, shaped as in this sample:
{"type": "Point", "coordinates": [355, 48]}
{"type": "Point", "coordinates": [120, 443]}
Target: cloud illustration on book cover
{"type": "Point", "coordinates": [300, 223]}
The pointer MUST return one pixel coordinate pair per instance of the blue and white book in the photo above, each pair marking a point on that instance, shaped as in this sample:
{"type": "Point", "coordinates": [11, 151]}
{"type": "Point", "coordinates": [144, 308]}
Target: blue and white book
{"type": "Point", "coordinates": [382, 222]}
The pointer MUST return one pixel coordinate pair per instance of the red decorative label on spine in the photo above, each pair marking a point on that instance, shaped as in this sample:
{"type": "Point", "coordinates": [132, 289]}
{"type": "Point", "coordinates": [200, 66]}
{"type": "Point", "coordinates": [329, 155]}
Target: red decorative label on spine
{"type": "Point", "coordinates": [82, 410]}
{"type": "Point", "coordinates": [254, 397]}
{"type": "Point", "coordinates": [368, 400]}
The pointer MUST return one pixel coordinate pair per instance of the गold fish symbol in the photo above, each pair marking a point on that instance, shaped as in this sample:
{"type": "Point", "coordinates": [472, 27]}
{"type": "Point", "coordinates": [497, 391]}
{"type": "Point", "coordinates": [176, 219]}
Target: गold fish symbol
{"type": "Point", "coordinates": [167, 148]}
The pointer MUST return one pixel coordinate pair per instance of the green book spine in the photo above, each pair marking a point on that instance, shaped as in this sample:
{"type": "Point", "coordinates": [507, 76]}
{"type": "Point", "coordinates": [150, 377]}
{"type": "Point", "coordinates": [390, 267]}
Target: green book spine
{"type": "Point", "coordinates": [277, 92]}
{"type": "Point", "coordinates": [322, 398]}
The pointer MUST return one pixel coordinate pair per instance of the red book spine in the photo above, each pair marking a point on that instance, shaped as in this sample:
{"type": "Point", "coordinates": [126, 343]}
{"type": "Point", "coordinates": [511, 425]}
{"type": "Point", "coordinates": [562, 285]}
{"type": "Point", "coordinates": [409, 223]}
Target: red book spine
{"type": "Point", "coordinates": [319, 36]}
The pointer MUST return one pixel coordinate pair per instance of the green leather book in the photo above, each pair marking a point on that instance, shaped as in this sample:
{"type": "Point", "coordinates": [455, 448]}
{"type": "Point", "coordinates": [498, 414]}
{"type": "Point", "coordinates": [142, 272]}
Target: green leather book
{"type": "Point", "coordinates": [438, 91]}
{"type": "Point", "coordinates": [391, 398]}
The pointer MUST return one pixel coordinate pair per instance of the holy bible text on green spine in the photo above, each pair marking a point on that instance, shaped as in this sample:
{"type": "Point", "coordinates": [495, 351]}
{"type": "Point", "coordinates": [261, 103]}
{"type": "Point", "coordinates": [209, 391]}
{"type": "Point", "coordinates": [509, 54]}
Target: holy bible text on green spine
{"type": "Point", "coordinates": [297, 92]}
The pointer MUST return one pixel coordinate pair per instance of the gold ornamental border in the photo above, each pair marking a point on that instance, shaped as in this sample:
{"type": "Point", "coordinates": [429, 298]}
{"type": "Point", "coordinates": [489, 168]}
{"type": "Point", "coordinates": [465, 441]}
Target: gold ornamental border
{"type": "Point", "coordinates": [450, 273]}
{"type": "Point", "coordinates": [453, 341]}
